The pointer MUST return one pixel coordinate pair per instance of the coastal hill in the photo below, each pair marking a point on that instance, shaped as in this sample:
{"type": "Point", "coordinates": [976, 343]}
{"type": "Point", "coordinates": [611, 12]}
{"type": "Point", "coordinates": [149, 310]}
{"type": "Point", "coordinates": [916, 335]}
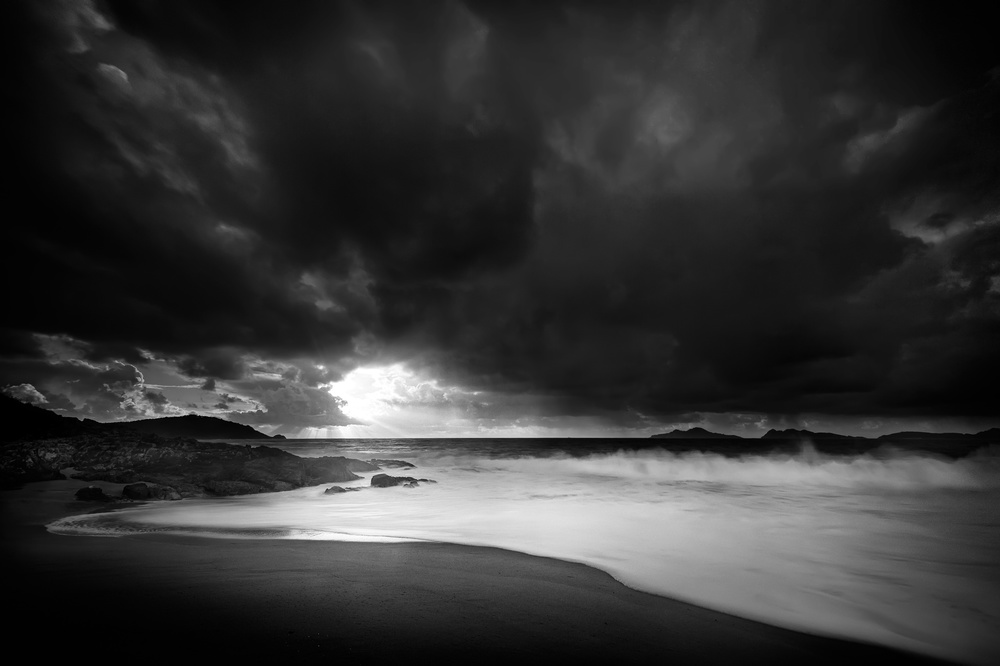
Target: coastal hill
{"type": "Point", "coordinates": [20, 420]}
{"type": "Point", "coordinates": [192, 425]}
{"type": "Point", "coordinates": [37, 445]}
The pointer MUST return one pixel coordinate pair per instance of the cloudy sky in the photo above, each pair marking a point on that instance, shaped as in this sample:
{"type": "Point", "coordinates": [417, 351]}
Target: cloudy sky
{"type": "Point", "coordinates": [504, 218]}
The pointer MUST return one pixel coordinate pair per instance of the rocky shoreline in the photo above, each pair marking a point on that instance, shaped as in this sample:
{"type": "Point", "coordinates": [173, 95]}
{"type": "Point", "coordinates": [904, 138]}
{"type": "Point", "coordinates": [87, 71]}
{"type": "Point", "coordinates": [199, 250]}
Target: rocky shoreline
{"type": "Point", "coordinates": [189, 467]}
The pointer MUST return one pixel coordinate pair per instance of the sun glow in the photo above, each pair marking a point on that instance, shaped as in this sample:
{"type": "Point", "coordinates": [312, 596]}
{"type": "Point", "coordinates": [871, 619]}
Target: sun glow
{"type": "Point", "coordinates": [368, 392]}
{"type": "Point", "coordinates": [398, 401]}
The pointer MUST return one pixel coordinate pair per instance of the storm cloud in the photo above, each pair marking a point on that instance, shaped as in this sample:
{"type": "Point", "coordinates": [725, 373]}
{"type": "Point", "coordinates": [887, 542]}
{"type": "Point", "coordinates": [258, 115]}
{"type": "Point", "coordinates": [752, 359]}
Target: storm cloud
{"type": "Point", "coordinates": [635, 214]}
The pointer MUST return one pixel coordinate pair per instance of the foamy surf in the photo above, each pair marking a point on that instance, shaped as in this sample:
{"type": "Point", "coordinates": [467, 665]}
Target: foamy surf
{"type": "Point", "coordinates": [898, 549]}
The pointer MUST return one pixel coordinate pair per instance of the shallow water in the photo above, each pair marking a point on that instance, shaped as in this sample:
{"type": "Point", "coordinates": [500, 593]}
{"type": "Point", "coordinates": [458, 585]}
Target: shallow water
{"type": "Point", "coordinates": [898, 549]}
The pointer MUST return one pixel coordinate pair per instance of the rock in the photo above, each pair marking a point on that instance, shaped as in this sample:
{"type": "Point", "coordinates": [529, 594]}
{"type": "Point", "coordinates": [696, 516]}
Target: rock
{"type": "Point", "coordinates": [136, 491]}
{"type": "Point", "coordinates": [402, 464]}
{"type": "Point", "coordinates": [92, 494]}
{"type": "Point", "coordinates": [386, 481]}
{"type": "Point", "coordinates": [336, 490]}
{"type": "Point", "coordinates": [188, 467]}
{"type": "Point", "coordinates": [159, 492]}
{"type": "Point", "coordinates": [149, 491]}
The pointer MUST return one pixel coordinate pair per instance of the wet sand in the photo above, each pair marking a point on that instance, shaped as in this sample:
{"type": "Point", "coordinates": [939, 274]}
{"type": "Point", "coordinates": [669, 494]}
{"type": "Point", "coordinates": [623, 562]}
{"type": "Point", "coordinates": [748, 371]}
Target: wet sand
{"type": "Point", "coordinates": [170, 599]}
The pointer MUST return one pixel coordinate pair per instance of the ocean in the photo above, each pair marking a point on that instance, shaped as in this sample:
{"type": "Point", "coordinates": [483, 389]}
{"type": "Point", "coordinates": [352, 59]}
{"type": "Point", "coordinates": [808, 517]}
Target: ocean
{"type": "Point", "coordinates": [894, 547]}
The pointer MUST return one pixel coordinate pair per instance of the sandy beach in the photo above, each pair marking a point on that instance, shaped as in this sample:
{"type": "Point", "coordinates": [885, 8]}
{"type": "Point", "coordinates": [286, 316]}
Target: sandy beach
{"type": "Point", "coordinates": [167, 599]}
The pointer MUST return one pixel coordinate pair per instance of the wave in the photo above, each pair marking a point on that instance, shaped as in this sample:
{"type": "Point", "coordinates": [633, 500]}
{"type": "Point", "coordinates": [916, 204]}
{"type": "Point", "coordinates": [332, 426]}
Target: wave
{"type": "Point", "coordinates": [885, 469]}
{"type": "Point", "coordinates": [119, 524]}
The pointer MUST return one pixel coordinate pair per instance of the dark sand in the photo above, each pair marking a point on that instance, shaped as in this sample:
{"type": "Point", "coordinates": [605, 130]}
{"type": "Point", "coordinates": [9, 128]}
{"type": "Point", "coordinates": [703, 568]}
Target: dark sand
{"type": "Point", "coordinates": [163, 599]}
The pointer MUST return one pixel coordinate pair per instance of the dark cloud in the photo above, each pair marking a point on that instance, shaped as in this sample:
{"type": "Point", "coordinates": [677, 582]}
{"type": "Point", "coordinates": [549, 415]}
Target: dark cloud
{"type": "Point", "coordinates": [58, 402]}
{"type": "Point", "coordinates": [157, 401]}
{"type": "Point", "coordinates": [100, 391]}
{"type": "Point", "coordinates": [628, 211]}
{"type": "Point", "coordinates": [215, 364]}
{"type": "Point", "coordinates": [293, 406]}
{"type": "Point", "coordinates": [112, 351]}
{"type": "Point", "coordinates": [16, 343]}
{"type": "Point", "coordinates": [226, 401]}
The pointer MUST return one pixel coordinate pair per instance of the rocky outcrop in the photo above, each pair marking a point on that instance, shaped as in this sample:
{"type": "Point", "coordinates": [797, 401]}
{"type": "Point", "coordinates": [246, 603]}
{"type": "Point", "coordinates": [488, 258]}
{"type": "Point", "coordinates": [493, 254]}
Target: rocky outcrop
{"type": "Point", "coordinates": [386, 481]}
{"type": "Point", "coordinates": [25, 466]}
{"type": "Point", "coordinates": [92, 494]}
{"type": "Point", "coordinates": [149, 491]}
{"type": "Point", "coordinates": [191, 467]}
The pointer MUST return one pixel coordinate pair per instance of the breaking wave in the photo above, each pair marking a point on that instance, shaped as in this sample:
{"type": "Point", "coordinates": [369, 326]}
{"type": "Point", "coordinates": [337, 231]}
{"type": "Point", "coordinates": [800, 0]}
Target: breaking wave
{"type": "Point", "coordinates": [888, 469]}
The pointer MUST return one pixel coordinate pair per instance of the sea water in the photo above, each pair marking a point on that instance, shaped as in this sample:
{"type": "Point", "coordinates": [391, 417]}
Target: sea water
{"type": "Point", "coordinates": [896, 548]}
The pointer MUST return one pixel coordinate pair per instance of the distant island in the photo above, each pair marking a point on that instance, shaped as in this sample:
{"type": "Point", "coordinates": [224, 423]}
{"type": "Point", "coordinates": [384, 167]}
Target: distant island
{"type": "Point", "coordinates": [694, 433]}
{"type": "Point", "coordinates": [948, 444]}
{"type": "Point", "coordinates": [795, 434]}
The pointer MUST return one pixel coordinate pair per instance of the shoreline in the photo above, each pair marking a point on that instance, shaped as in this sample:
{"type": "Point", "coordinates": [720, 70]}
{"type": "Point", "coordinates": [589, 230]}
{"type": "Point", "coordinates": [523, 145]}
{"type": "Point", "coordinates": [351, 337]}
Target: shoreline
{"type": "Point", "coordinates": [169, 597]}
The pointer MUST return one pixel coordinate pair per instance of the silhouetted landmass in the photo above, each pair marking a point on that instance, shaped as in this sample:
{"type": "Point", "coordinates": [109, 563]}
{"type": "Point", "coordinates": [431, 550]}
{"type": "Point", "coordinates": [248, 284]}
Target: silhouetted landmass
{"type": "Point", "coordinates": [941, 443]}
{"type": "Point", "coordinates": [953, 445]}
{"type": "Point", "coordinates": [993, 434]}
{"type": "Point", "coordinates": [192, 425]}
{"type": "Point", "coordinates": [792, 433]}
{"type": "Point", "coordinates": [19, 420]}
{"type": "Point", "coordinates": [694, 433]}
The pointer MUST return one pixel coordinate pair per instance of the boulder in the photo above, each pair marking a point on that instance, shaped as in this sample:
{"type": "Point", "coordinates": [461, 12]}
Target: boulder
{"type": "Point", "coordinates": [336, 490]}
{"type": "Point", "coordinates": [159, 492]}
{"type": "Point", "coordinates": [92, 494]}
{"type": "Point", "coordinates": [149, 491]}
{"type": "Point", "coordinates": [386, 481]}
{"type": "Point", "coordinates": [136, 491]}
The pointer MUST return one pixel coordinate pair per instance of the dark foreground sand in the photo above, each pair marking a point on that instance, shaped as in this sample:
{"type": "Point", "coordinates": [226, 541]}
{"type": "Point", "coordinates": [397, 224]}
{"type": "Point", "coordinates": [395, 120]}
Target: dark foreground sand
{"type": "Point", "coordinates": [159, 599]}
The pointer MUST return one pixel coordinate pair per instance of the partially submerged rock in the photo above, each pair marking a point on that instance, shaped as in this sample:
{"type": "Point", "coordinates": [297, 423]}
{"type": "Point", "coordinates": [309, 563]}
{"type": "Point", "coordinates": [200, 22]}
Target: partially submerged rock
{"type": "Point", "coordinates": [336, 490]}
{"type": "Point", "coordinates": [382, 462]}
{"type": "Point", "coordinates": [386, 481]}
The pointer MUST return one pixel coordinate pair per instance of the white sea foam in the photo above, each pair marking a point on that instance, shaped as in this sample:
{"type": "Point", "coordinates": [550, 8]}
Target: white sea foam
{"type": "Point", "coordinates": [902, 550]}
